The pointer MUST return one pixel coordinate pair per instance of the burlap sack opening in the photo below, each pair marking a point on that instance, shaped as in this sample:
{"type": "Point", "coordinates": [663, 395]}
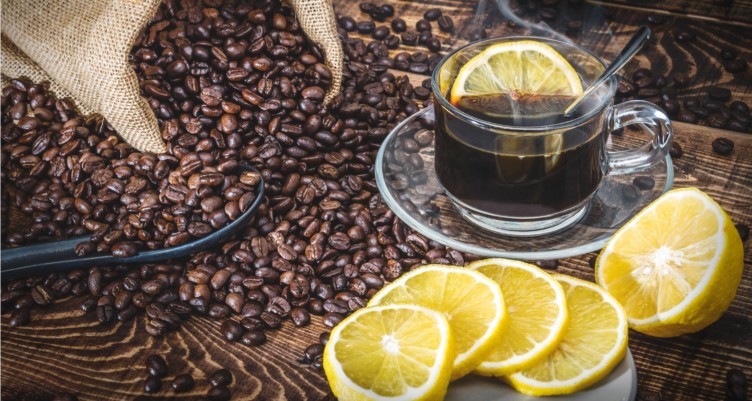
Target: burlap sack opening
{"type": "Point", "coordinates": [80, 48]}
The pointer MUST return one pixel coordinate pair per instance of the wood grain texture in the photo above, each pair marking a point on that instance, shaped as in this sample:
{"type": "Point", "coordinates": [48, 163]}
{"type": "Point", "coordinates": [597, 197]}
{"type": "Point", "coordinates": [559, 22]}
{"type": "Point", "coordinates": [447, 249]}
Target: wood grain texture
{"type": "Point", "coordinates": [64, 350]}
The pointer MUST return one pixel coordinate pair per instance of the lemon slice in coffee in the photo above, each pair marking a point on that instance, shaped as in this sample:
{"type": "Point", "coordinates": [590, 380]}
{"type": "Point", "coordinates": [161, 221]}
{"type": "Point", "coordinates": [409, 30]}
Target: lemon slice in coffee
{"type": "Point", "coordinates": [525, 78]}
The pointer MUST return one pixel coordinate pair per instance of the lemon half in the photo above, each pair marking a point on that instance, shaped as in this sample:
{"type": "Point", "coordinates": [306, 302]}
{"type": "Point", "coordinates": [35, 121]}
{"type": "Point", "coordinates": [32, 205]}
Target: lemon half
{"type": "Point", "coordinates": [675, 266]}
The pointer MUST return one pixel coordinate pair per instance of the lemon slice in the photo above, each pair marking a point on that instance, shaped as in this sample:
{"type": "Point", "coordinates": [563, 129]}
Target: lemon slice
{"type": "Point", "coordinates": [675, 266]}
{"type": "Point", "coordinates": [593, 344]}
{"type": "Point", "coordinates": [537, 310]}
{"type": "Point", "coordinates": [517, 69]}
{"type": "Point", "coordinates": [472, 303]}
{"type": "Point", "coordinates": [395, 352]}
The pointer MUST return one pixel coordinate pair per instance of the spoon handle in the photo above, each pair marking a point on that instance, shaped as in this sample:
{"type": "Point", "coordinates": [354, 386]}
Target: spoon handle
{"type": "Point", "coordinates": [634, 45]}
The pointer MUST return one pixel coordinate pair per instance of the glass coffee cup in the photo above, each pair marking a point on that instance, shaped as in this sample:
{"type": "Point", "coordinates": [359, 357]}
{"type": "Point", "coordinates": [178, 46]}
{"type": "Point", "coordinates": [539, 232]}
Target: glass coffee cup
{"type": "Point", "coordinates": [534, 171]}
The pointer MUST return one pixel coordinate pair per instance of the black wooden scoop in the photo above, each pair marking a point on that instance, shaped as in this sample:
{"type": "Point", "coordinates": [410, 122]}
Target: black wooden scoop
{"type": "Point", "coordinates": [45, 258]}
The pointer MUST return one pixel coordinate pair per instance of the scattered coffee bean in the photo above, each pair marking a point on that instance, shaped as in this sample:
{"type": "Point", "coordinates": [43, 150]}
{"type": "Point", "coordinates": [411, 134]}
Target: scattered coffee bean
{"type": "Point", "coordinates": [152, 384]}
{"type": "Point", "coordinates": [735, 66]}
{"type": "Point", "coordinates": [723, 146]}
{"type": "Point", "coordinates": [253, 337]}
{"type": "Point", "coordinates": [365, 27]}
{"type": "Point", "coordinates": [348, 24]}
{"type": "Point", "coordinates": [721, 94]}
{"type": "Point", "coordinates": [736, 385]}
{"type": "Point", "coordinates": [432, 14]}
{"type": "Point", "coordinates": [630, 192]}
{"type": "Point", "coordinates": [219, 393]}
{"type": "Point", "coordinates": [387, 10]}
{"type": "Point", "coordinates": [222, 377]}
{"type": "Point", "coordinates": [675, 150]}
{"type": "Point", "coordinates": [446, 24]}
{"type": "Point", "coordinates": [423, 25]}
{"type": "Point", "coordinates": [644, 182]}
{"type": "Point", "coordinates": [547, 264]}
{"type": "Point", "coordinates": [399, 25]}
{"type": "Point", "coordinates": [433, 44]}
{"type": "Point", "coordinates": [182, 383]}
{"type": "Point", "coordinates": [156, 366]}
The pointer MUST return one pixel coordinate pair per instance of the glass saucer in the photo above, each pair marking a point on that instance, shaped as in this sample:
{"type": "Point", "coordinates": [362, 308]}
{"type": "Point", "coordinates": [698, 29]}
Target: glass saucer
{"type": "Point", "coordinates": [406, 178]}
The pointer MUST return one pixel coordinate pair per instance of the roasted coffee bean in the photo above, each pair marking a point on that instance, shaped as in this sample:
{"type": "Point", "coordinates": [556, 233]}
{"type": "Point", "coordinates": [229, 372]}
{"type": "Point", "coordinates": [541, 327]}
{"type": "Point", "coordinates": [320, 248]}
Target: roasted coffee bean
{"type": "Point", "coordinates": [549, 264]}
{"type": "Point", "coordinates": [432, 14]}
{"type": "Point", "coordinates": [42, 295]}
{"type": "Point", "coordinates": [365, 27]}
{"type": "Point", "coordinates": [300, 316]}
{"type": "Point", "coordinates": [380, 33]}
{"type": "Point", "coordinates": [367, 7]}
{"type": "Point", "coordinates": [409, 38]}
{"type": "Point", "coordinates": [347, 23]}
{"type": "Point", "coordinates": [433, 44]}
{"type": "Point", "coordinates": [219, 393]}
{"type": "Point", "coordinates": [332, 319]}
{"type": "Point", "coordinates": [232, 330]}
{"type": "Point", "coordinates": [313, 351]}
{"type": "Point", "coordinates": [399, 25]}
{"type": "Point", "coordinates": [20, 316]}
{"type": "Point", "coordinates": [675, 150]}
{"type": "Point", "coordinates": [152, 384]}
{"type": "Point", "coordinates": [723, 146]}
{"type": "Point", "coordinates": [182, 383]}
{"type": "Point", "coordinates": [684, 36]}
{"type": "Point", "coordinates": [253, 338]}
{"type": "Point", "coordinates": [736, 385]}
{"type": "Point", "coordinates": [721, 94]}
{"type": "Point", "coordinates": [124, 250]}
{"type": "Point", "coordinates": [221, 377]}
{"type": "Point", "coordinates": [735, 66]}
{"type": "Point", "coordinates": [156, 366]}
{"type": "Point", "coordinates": [644, 182]}
{"type": "Point", "coordinates": [739, 106]}
{"type": "Point", "coordinates": [687, 116]}
{"type": "Point", "coordinates": [630, 192]}
{"type": "Point", "coordinates": [446, 24]}
{"type": "Point", "coordinates": [422, 26]}
{"type": "Point", "coordinates": [106, 314]}
{"type": "Point", "coordinates": [387, 10]}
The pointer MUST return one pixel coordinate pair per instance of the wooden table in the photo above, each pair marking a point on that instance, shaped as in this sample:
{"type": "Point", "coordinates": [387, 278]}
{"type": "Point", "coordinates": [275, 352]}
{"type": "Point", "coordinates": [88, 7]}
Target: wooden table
{"type": "Point", "coordinates": [61, 350]}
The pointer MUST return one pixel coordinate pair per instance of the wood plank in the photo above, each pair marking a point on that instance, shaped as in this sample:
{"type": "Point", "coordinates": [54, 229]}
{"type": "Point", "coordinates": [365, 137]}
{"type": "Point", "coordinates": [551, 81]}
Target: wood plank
{"type": "Point", "coordinates": [63, 350]}
{"type": "Point", "coordinates": [732, 12]}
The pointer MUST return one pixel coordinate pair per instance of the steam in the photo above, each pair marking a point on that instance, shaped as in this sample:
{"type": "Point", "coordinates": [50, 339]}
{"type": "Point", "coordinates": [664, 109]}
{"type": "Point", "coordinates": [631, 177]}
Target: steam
{"type": "Point", "coordinates": [536, 28]}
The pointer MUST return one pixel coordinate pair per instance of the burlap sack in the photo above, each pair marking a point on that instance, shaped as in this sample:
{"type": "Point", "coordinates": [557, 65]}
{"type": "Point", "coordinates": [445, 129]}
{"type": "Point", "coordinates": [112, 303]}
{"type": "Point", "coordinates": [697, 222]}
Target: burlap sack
{"type": "Point", "coordinates": [318, 22]}
{"type": "Point", "coordinates": [81, 48]}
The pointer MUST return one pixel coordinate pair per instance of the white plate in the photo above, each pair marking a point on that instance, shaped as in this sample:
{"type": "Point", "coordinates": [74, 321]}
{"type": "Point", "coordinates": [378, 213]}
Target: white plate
{"type": "Point", "coordinates": [619, 385]}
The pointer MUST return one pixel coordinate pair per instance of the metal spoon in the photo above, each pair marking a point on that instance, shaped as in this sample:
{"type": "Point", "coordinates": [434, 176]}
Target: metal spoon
{"type": "Point", "coordinates": [58, 256]}
{"type": "Point", "coordinates": [634, 45]}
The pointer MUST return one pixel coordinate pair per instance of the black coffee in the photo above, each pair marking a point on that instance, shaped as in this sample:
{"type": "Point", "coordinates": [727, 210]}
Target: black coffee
{"type": "Point", "coordinates": [518, 176]}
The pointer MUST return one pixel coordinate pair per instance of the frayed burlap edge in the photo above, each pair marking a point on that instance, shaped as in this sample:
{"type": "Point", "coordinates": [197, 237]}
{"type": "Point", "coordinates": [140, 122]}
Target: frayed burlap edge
{"type": "Point", "coordinates": [13, 59]}
{"type": "Point", "coordinates": [317, 19]}
{"type": "Point", "coordinates": [83, 46]}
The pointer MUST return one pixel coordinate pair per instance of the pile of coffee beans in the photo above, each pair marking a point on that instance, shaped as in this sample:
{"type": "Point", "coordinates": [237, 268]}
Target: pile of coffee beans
{"type": "Point", "coordinates": [235, 83]}
{"type": "Point", "coordinates": [76, 177]}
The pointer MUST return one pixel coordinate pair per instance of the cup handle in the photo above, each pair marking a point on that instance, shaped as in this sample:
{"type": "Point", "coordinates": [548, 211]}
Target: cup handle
{"type": "Point", "coordinates": [654, 150]}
